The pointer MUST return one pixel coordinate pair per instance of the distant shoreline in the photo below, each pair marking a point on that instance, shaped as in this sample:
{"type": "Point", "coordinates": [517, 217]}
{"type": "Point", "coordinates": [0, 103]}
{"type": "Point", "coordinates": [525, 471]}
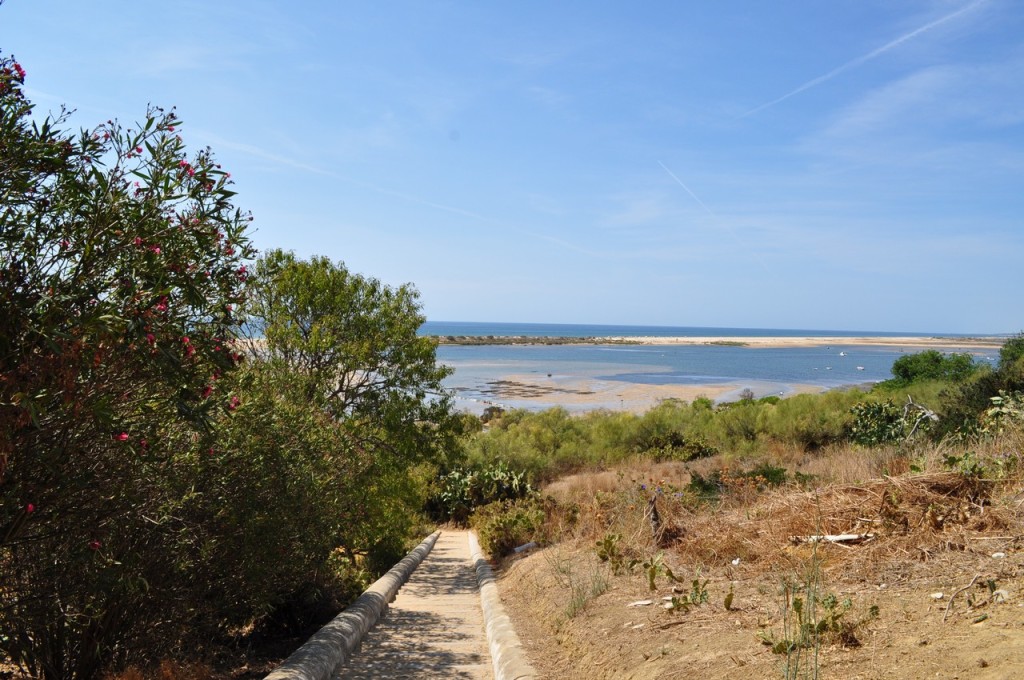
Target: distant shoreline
{"type": "Point", "coordinates": [916, 342]}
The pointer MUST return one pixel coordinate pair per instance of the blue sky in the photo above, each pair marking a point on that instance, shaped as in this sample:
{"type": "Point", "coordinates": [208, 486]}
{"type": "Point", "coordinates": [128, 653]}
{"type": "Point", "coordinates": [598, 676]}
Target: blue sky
{"type": "Point", "coordinates": [850, 164]}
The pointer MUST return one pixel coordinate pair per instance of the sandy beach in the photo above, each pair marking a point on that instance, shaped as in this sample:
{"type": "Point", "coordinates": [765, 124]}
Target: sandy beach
{"type": "Point", "coordinates": [585, 394]}
{"type": "Point", "coordinates": [916, 342]}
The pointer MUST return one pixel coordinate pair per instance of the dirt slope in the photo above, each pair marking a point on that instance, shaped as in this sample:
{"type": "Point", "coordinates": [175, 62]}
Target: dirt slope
{"type": "Point", "coordinates": [573, 616]}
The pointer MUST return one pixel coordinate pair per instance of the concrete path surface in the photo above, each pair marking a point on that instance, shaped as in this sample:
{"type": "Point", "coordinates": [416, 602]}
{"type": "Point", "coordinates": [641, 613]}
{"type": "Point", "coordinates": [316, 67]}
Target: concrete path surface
{"type": "Point", "coordinates": [434, 629]}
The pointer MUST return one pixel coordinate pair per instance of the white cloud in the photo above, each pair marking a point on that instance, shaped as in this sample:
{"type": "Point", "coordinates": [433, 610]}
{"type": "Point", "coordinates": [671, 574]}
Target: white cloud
{"type": "Point", "coordinates": [864, 58]}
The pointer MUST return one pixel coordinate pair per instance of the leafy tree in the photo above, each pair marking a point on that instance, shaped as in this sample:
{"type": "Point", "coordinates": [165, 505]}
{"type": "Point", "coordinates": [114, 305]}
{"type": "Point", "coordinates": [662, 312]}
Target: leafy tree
{"type": "Point", "coordinates": [350, 348]}
{"type": "Point", "coordinates": [933, 365]}
{"type": "Point", "coordinates": [265, 511]}
{"type": "Point", "coordinates": [121, 263]}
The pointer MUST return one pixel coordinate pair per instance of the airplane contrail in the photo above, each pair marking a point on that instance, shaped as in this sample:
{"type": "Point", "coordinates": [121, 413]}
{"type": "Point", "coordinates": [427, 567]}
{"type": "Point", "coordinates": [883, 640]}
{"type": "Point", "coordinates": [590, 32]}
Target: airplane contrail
{"type": "Point", "coordinates": [709, 211]}
{"type": "Point", "coordinates": [814, 82]}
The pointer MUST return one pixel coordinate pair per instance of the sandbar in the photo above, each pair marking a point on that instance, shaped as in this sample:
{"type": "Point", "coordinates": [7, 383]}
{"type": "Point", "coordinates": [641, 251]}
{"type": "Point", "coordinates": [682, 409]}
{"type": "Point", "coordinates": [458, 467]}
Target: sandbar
{"type": "Point", "coordinates": [588, 394]}
{"type": "Point", "coordinates": [816, 341]}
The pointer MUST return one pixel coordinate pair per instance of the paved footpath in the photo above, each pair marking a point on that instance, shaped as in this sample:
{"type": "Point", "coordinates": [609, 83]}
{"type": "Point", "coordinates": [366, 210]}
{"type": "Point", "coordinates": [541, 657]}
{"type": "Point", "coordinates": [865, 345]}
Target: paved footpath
{"type": "Point", "coordinates": [434, 628]}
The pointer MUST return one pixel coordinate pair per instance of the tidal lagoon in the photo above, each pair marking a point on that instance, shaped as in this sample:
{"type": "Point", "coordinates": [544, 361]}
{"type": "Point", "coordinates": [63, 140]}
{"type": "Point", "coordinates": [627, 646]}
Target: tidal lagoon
{"type": "Point", "coordinates": [634, 367]}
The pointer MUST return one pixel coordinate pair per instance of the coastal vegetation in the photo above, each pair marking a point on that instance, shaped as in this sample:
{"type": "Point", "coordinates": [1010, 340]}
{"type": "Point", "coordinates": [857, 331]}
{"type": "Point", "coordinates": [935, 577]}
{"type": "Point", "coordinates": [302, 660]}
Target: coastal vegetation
{"type": "Point", "coordinates": [956, 390]}
{"type": "Point", "coordinates": [169, 488]}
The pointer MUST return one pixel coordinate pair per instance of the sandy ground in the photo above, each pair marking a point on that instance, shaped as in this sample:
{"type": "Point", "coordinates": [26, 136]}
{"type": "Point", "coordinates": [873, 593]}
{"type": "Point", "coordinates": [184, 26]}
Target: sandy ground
{"type": "Point", "coordinates": [908, 341]}
{"type": "Point", "coordinates": [586, 394]}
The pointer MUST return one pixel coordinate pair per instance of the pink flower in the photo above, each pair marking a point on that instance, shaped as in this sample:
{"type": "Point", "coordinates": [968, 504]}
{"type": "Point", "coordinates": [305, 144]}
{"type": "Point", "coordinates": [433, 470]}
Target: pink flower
{"type": "Point", "coordinates": [182, 164]}
{"type": "Point", "coordinates": [155, 249]}
{"type": "Point", "coordinates": [207, 391]}
{"type": "Point", "coordinates": [191, 172]}
{"type": "Point", "coordinates": [170, 128]}
{"type": "Point", "coordinates": [138, 149]}
{"type": "Point", "coordinates": [143, 443]}
{"type": "Point", "coordinates": [123, 437]}
{"type": "Point", "coordinates": [29, 509]}
{"type": "Point", "coordinates": [138, 241]}
{"type": "Point", "coordinates": [234, 403]}
{"type": "Point", "coordinates": [184, 340]}
{"type": "Point", "coordinates": [151, 338]}
{"type": "Point", "coordinates": [94, 545]}
{"type": "Point", "coordinates": [20, 70]}
{"type": "Point", "coordinates": [161, 306]}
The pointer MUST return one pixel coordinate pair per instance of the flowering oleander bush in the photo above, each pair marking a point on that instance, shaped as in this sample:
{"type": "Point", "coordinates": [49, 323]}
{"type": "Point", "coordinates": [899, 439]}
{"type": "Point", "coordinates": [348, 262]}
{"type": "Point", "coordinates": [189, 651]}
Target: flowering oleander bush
{"type": "Point", "coordinates": [122, 260]}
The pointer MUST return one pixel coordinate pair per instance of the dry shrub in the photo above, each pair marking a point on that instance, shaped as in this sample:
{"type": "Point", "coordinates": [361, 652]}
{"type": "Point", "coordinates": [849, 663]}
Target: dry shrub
{"type": "Point", "coordinates": [911, 516]}
{"type": "Point", "coordinates": [167, 670]}
{"type": "Point", "coordinates": [583, 486]}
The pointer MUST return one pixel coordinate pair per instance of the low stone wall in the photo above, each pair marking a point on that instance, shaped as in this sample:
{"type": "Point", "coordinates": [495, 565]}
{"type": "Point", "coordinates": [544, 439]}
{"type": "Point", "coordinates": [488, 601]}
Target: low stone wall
{"type": "Point", "coordinates": [507, 656]}
{"type": "Point", "coordinates": [321, 656]}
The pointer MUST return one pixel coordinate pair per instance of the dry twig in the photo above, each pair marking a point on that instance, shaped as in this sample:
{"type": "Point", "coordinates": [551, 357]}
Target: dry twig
{"type": "Point", "coordinates": [953, 596]}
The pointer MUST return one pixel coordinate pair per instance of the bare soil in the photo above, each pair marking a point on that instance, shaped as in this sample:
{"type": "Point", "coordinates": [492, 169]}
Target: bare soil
{"type": "Point", "coordinates": [931, 536]}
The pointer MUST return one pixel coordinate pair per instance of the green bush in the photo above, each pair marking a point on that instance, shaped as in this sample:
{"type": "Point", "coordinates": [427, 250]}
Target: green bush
{"type": "Point", "coordinates": [933, 365]}
{"type": "Point", "coordinates": [543, 445]}
{"type": "Point", "coordinates": [1011, 352]}
{"type": "Point", "coordinates": [812, 421]}
{"type": "Point", "coordinates": [964, 405]}
{"type": "Point", "coordinates": [668, 432]}
{"type": "Point", "coordinates": [463, 490]}
{"type": "Point", "coordinates": [877, 423]}
{"type": "Point", "coordinates": [505, 525]}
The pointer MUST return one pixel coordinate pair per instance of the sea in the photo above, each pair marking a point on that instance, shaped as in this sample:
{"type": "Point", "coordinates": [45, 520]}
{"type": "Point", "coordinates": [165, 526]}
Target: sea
{"type": "Point", "coordinates": [762, 370]}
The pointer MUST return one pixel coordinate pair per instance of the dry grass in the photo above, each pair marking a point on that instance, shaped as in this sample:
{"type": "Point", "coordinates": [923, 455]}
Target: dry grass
{"type": "Point", "coordinates": [931, 532]}
{"type": "Point", "coordinates": [583, 486]}
{"type": "Point", "coordinates": [912, 516]}
{"type": "Point", "coordinates": [168, 670]}
{"type": "Point", "coordinates": [915, 516]}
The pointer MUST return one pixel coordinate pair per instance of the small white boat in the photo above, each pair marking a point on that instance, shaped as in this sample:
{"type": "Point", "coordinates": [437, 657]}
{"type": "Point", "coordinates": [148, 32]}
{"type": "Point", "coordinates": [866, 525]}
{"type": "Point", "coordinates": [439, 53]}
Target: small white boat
{"type": "Point", "coordinates": [842, 354]}
{"type": "Point", "coordinates": [860, 368]}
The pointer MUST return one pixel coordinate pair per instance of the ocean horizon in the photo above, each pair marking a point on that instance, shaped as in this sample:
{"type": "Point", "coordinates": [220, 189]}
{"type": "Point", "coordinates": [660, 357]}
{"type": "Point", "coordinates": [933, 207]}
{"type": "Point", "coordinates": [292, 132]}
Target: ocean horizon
{"type": "Point", "coordinates": [542, 330]}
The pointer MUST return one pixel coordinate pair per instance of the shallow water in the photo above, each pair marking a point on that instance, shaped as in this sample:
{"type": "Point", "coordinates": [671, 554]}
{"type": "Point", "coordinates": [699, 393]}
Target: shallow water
{"type": "Point", "coordinates": [763, 370]}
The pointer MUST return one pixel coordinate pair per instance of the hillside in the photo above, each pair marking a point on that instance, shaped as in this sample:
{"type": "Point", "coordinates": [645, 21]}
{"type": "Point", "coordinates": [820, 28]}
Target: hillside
{"type": "Point", "coordinates": [930, 534]}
